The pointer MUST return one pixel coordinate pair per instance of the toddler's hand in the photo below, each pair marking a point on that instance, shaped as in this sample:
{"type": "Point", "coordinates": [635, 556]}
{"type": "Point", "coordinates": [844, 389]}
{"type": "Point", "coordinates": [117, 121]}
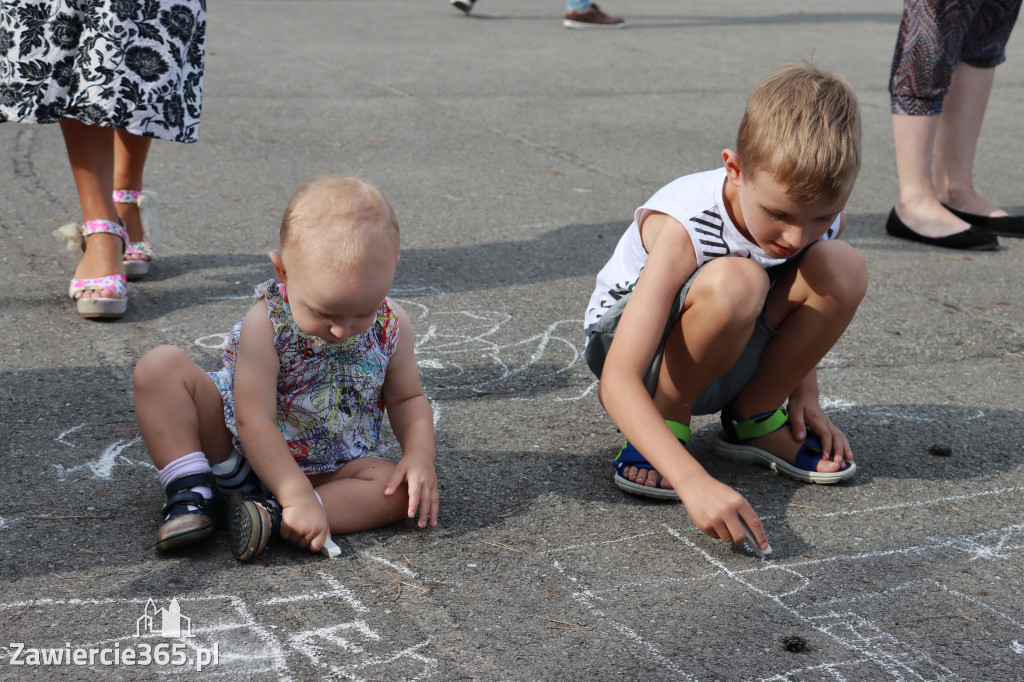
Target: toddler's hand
{"type": "Point", "coordinates": [421, 478]}
{"type": "Point", "coordinates": [305, 524]}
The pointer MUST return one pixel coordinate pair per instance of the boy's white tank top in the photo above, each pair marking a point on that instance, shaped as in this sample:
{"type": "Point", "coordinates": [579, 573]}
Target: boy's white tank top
{"type": "Point", "coordinates": [698, 203]}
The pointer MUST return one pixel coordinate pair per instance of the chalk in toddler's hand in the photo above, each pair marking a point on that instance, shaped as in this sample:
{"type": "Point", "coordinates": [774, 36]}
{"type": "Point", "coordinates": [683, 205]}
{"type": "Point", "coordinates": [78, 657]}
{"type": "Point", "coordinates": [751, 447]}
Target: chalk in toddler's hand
{"type": "Point", "coordinates": [330, 550]}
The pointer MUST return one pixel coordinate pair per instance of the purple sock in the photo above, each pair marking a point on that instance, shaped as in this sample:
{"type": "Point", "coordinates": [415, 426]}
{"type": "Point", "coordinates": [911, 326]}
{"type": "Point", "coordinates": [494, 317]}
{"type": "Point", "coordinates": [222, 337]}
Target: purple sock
{"type": "Point", "coordinates": [192, 463]}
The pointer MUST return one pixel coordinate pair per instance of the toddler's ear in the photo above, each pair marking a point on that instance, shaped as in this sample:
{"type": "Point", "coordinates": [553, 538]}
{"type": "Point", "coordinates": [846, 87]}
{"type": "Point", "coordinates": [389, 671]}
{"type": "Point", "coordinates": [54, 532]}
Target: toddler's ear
{"type": "Point", "coordinates": [279, 272]}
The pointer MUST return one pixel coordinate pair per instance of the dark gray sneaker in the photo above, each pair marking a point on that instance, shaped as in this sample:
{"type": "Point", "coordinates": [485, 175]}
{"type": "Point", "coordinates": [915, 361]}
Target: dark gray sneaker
{"type": "Point", "coordinates": [591, 18]}
{"type": "Point", "coordinates": [254, 521]}
{"type": "Point", "coordinates": [464, 5]}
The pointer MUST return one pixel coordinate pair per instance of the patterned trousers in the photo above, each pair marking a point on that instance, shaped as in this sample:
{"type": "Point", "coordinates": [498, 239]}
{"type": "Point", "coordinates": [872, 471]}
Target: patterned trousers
{"type": "Point", "coordinates": [935, 36]}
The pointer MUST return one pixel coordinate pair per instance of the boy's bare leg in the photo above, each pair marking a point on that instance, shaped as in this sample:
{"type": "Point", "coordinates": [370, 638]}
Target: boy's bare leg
{"type": "Point", "coordinates": [354, 498]}
{"type": "Point", "coordinates": [956, 140]}
{"type": "Point", "coordinates": [178, 408]}
{"type": "Point", "coordinates": [90, 151]}
{"type": "Point", "coordinates": [130, 154]}
{"type": "Point", "coordinates": [720, 312]}
{"type": "Point", "coordinates": [811, 306]}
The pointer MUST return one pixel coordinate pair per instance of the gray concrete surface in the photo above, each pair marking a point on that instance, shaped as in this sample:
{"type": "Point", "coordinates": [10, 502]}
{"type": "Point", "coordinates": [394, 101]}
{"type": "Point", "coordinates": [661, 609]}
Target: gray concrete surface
{"type": "Point", "coordinates": [514, 152]}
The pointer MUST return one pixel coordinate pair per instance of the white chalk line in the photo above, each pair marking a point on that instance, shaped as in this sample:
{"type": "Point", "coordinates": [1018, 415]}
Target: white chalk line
{"type": "Point", "coordinates": [599, 543]}
{"type": "Point", "coordinates": [60, 438]}
{"type": "Point", "coordinates": [899, 663]}
{"type": "Point", "coordinates": [830, 668]}
{"type": "Point", "coordinates": [103, 467]}
{"type": "Point", "coordinates": [273, 652]}
{"type": "Point", "coordinates": [582, 596]}
{"type": "Point", "coordinates": [248, 622]}
{"type": "Point", "coordinates": [429, 664]}
{"type": "Point", "coordinates": [909, 585]}
{"type": "Point", "coordinates": [892, 664]}
{"type": "Point", "coordinates": [979, 551]}
{"type": "Point", "coordinates": [435, 345]}
{"type": "Point", "coordinates": [903, 505]}
{"type": "Point", "coordinates": [392, 565]}
{"type": "Point", "coordinates": [794, 514]}
{"type": "Point", "coordinates": [896, 663]}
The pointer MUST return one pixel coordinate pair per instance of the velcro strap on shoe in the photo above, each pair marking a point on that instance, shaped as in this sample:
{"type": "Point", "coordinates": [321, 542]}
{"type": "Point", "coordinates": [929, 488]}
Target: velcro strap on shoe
{"type": "Point", "coordinates": [761, 424]}
{"type": "Point", "coordinates": [681, 431]}
{"type": "Point", "coordinates": [182, 497]}
{"type": "Point", "coordinates": [190, 481]}
{"type": "Point", "coordinates": [630, 456]}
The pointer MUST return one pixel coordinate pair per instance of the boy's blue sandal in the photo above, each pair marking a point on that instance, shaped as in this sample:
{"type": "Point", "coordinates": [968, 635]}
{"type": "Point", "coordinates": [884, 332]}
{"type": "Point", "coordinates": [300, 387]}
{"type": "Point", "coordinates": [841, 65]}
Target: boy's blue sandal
{"type": "Point", "coordinates": [733, 443]}
{"type": "Point", "coordinates": [630, 456]}
{"type": "Point", "coordinates": [183, 526]}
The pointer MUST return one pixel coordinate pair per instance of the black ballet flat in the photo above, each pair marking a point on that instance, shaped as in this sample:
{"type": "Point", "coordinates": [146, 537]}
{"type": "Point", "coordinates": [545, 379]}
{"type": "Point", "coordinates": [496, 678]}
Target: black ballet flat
{"type": "Point", "coordinates": [975, 238]}
{"type": "Point", "coordinates": [1007, 225]}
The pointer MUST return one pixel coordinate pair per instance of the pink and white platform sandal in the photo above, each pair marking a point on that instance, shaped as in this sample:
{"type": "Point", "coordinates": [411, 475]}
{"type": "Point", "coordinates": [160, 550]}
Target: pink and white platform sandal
{"type": "Point", "coordinates": [73, 237]}
{"type": "Point", "coordinates": [136, 268]}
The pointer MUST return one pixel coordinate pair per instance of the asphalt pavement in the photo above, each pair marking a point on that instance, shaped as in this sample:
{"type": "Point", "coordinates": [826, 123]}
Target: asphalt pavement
{"type": "Point", "coordinates": [514, 152]}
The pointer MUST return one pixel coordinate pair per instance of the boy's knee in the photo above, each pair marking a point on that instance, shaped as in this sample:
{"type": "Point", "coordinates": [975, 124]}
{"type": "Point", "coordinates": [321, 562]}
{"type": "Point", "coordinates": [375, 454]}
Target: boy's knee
{"type": "Point", "coordinates": [838, 270]}
{"type": "Point", "coordinates": [737, 286]}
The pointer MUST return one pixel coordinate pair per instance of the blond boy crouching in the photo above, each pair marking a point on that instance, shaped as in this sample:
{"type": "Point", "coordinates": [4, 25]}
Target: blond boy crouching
{"type": "Point", "coordinates": [744, 288]}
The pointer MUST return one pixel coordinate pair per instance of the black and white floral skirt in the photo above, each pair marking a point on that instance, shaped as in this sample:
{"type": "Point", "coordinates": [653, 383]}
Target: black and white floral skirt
{"type": "Point", "coordinates": [136, 65]}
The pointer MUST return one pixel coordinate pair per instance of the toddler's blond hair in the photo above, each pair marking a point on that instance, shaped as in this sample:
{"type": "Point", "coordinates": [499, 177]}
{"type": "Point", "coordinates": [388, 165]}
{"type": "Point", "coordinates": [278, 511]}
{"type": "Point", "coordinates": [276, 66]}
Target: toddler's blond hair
{"type": "Point", "coordinates": [802, 125]}
{"type": "Point", "coordinates": [340, 220]}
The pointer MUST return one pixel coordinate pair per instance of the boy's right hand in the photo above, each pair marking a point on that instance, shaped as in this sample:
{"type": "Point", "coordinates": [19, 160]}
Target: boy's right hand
{"type": "Point", "coordinates": [716, 509]}
{"type": "Point", "coordinates": [305, 524]}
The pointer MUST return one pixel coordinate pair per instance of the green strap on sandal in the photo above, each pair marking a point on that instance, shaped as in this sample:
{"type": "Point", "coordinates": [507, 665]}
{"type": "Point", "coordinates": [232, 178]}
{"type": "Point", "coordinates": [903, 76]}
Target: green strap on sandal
{"type": "Point", "coordinates": [630, 456]}
{"type": "Point", "coordinates": [734, 443]}
{"type": "Point", "coordinates": [757, 426]}
{"type": "Point", "coordinates": [680, 431]}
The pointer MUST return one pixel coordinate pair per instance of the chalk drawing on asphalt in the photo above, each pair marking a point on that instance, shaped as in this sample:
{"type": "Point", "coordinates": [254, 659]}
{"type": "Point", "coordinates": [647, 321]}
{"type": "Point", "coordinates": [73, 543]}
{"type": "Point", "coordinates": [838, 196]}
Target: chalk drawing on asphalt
{"type": "Point", "coordinates": [252, 637]}
{"type": "Point", "coordinates": [863, 624]}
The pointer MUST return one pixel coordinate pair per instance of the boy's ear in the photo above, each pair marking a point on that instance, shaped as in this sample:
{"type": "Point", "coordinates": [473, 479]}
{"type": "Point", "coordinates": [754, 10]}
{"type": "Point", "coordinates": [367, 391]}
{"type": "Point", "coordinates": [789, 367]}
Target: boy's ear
{"type": "Point", "coordinates": [278, 264]}
{"type": "Point", "coordinates": [732, 166]}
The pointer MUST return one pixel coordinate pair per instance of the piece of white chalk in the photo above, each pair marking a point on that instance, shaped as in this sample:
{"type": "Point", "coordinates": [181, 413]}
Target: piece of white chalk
{"type": "Point", "coordinates": [330, 550]}
{"type": "Point", "coordinates": [752, 543]}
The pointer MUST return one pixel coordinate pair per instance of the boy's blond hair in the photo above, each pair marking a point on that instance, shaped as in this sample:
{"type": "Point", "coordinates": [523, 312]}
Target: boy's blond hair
{"type": "Point", "coordinates": [802, 125]}
{"type": "Point", "coordinates": [340, 220]}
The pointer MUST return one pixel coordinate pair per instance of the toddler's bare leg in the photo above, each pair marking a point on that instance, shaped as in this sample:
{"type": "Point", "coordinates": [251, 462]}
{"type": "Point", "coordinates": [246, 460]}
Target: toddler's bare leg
{"type": "Point", "coordinates": [178, 408]}
{"type": "Point", "coordinates": [354, 496]}
{"type": "Point", "coordinates": [719, 315]}
{"type": "Point", "coordinates": [811, 306]}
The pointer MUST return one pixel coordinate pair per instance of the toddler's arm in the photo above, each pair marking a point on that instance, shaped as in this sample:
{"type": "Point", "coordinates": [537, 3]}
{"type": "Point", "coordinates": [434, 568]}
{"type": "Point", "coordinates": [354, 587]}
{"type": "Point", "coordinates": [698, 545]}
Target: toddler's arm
{"type": "Point", "coordinates": [412, 421]}
{"type": "Point", "coordinates": [805, 412]}
{"type": "Point", "coordinates": [303, 519]}
{"type": "Point", "coordinates": [715, 508]}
